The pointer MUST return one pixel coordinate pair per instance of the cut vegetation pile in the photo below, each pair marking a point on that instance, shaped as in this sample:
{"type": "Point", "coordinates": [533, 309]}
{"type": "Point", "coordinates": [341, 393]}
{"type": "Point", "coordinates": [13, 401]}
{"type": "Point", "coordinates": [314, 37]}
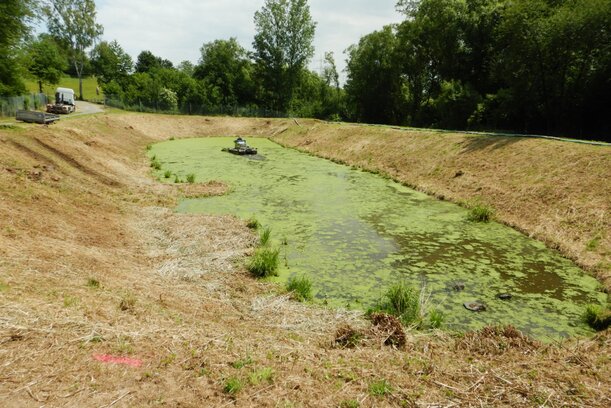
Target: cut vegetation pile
{"type": "Point", "coordinates": [108, 298]}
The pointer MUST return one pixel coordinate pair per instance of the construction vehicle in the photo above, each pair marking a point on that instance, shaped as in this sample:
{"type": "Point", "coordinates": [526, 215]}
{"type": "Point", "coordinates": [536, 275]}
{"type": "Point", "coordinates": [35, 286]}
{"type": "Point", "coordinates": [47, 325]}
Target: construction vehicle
{"type": "Point", "coordinates": [240, 148]}
{"type": "Point", "coordinates": [64, 101]}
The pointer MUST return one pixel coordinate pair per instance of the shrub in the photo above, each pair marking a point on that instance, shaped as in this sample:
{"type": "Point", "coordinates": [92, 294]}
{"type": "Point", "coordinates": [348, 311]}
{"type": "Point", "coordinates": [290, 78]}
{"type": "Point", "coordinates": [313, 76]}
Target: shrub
{"type": "Point", "coordinates": [301, 288]}
{"type": "Point", "coordinates": [191, 178]}
{"type": "Point", "coordinates": [264, 262]}
{"type": "Point", "coordinates": [168, 101]}
{"type": "Point", "coordinates": [480, 213]}
{"type": "Point", "coordinates": [597, 317]}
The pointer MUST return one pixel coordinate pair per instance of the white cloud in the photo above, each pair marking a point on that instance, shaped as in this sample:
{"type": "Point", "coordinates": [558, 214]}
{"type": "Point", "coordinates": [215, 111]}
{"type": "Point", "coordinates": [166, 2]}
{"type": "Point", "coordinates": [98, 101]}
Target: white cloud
{"type": "Point", "coordinates": [176, 29]}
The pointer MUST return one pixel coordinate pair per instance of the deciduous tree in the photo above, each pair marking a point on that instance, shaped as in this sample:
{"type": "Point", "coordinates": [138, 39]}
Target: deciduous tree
{"type": "Point", "coordinates": [73, 21]}
{"type": "Point", "coordinates": [283, 47]}
{"type": "Point", "coordinates": [45, 61]}
{"type": "Point", "coordinates": [110, 62]}
{"type": "Point", "coordinates": [15, 16]}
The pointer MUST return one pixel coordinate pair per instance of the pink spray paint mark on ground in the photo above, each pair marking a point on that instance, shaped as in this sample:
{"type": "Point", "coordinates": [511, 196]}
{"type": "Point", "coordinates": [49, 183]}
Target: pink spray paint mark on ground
{"type": "Point", "coordinates": [107, 358]}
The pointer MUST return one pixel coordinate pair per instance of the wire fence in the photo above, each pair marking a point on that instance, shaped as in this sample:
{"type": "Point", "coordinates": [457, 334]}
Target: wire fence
{"type": "Point", "coordinates": [194, 109]}
{"type": "Point", "coordinates": [11, 104]}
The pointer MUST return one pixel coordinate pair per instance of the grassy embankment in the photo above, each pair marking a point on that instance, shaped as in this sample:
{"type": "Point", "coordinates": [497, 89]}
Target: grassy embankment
{"type": "Point", "coordinates": [93, 261]}
{"type": "Point", "coordinates": [89, 87]}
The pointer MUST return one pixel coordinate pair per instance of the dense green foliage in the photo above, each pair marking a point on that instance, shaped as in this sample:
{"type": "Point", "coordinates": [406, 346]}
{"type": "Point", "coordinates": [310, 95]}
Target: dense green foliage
{"type": "Point", "coordinates": [538, 66]}
{"type": "Point", "coordinates": [14, 18]}
{"type": "Point", "coordinates": [532, 66]}
{"type": "Point", "coordinates": [45, 61]}
{"type": "Point", "coordinates": [110, 62]}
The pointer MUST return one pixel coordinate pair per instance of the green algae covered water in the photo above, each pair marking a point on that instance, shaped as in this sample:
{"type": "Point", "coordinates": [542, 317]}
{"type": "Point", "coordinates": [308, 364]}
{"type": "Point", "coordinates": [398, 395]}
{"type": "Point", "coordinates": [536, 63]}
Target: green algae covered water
{"type": "Point", "coordinates": [354, 234]}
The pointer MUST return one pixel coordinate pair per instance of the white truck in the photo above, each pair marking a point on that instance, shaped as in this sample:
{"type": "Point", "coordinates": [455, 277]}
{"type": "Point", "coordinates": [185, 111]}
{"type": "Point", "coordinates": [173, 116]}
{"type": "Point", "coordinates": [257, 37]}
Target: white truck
{"type": "Point", "coordinates": [64, 101]}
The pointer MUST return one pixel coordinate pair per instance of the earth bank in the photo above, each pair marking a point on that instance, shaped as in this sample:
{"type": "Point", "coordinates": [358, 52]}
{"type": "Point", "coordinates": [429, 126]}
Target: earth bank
{"type": "Point", "coordinates": [93, 263]}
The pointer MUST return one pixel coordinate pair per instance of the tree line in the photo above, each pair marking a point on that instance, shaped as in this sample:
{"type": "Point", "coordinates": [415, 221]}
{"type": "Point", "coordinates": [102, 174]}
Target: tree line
{"type": "Point", "coordinates": [531, 66]}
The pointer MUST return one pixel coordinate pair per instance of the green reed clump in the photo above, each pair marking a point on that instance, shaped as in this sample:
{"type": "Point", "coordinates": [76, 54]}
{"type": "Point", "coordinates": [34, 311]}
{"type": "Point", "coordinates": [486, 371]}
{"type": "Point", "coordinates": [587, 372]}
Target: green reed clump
{"type": "Point", "coordinates": [253, 223]}
{"type": "Point", "coordinates": [301, 288]}
{"type": "Point", "coordinates": [264, 262]}
{"type": "Point", "coordinates": [404, 302]}
{"type": "Point", "coordinates": [480, 213]}
{"type": "Point", "coordinates": [191, 178]}
{"type": "Point", "coordinates": [436, 318]}
{"type": "Point", "coordinates": [265, 237]}
{"type": "Point", "coordinates": [597, 317]}
{"type": "Point", "coordinates": [167, 174]}
{"type": "Point", "coordinates": [155, 164]}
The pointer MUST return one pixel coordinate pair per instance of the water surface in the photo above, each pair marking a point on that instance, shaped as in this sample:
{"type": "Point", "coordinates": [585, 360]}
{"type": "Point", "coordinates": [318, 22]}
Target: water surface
{"type": "Point", "coordinates": [354, 234]}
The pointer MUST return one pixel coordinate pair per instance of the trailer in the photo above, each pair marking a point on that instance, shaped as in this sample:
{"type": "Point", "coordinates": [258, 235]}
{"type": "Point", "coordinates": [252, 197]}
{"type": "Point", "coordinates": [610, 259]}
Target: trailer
{"type": "Point", "coordinates": [36, 117]}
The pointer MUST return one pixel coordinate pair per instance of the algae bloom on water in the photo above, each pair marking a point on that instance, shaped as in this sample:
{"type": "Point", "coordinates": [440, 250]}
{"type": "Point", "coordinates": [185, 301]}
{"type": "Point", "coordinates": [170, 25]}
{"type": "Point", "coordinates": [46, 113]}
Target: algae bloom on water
{"type": "Point", "coordinates": [355, 234]}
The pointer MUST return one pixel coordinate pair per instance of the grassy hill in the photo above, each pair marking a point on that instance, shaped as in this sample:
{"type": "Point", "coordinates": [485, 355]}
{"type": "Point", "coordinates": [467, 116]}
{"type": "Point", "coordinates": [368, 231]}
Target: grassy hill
{"type": "Point", "coordinates": [89, 87]}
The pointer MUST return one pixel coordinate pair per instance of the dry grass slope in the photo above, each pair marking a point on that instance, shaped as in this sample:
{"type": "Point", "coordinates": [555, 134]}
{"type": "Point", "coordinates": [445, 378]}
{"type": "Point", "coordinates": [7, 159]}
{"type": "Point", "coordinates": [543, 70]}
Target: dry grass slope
{"type": "Point", "coordinates": [94, 262]}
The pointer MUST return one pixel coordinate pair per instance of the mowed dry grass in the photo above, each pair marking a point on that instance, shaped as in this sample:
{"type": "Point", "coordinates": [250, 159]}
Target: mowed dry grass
{"type": "Point", "coordinates": [93, 261]}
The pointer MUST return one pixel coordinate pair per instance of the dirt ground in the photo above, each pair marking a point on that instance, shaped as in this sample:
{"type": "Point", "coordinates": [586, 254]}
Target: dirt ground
{"type": "Point", "coordinates": [108, 298]}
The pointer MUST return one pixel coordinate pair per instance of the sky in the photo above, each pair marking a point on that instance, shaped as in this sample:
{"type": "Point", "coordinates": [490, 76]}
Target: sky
{"type": "Point", "coordinates": [176, 29]}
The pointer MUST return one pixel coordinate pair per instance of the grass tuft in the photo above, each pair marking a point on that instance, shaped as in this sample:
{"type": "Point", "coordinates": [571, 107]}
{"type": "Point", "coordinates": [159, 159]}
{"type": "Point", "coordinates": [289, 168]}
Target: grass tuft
{"type": "Point", "coordinates": [301, 288]}
{"type": "Point", "coordinates": [264, 262]}
{"type": "Point", "coordinates": [404, 302]}
{"type": "Point", "coordinates": [167, 174]}
{"type": "Point", "coordinates": [233, 385]}
{"type": "Point", "coordinates": [380, 388]}
{"type": "Point", "coordinates": [349, 404]}
{"type": "Point", "coordinates": [127, 303]}
{"type": "Point", "coordinates": [436, 318]}
{"type": "Point", "coordinates": [242, 363]}
{"type": "Point", "coordinates": [262, 375]}
{"type": "Point", "coordinates": [155, 164]}
{"type": "Point", "coordinates": [190, 178]}
{"type": "Point", "coordinates": [597, 317]}
{"type": "Point", "coordinates": [480, 213]}
{"type": "Point", "coordinates": [264, 238]}
{"type": "Point", "coordinates": [253, 223]}
{"type": "Point", "coordinates": [93, 283]}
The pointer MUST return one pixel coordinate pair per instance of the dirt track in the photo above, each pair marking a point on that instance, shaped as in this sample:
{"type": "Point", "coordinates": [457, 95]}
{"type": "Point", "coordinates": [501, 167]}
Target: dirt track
{"type": "Point", "coordinates": [93, 263]}
{"type": "Point", "coordinates": [86, 108]}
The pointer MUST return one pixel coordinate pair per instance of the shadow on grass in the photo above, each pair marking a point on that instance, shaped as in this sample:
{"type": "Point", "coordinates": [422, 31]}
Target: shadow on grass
{"type": "Point", "coordinates": [482, 142]}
